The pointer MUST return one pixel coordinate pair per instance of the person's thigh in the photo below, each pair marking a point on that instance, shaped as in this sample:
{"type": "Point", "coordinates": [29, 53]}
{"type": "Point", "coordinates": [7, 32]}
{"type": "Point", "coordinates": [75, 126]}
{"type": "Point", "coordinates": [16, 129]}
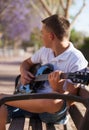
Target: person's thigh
{"type": "Point", "coordinates": [16, 112]}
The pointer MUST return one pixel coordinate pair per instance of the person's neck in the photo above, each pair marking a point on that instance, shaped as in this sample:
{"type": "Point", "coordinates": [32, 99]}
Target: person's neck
{"type": "Point", "coordinates": [60, 47]}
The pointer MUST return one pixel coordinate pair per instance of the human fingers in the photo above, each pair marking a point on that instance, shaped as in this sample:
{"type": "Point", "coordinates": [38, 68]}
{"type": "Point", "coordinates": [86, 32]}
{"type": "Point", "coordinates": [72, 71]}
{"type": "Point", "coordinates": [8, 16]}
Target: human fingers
{"type": "Point", "coordinates": [26, 78]}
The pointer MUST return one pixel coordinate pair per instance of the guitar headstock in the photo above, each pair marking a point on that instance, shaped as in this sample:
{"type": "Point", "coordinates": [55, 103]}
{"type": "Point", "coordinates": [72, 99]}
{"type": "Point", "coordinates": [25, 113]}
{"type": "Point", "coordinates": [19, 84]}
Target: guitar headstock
{"type": "Point", "coordinates": [79, 77]}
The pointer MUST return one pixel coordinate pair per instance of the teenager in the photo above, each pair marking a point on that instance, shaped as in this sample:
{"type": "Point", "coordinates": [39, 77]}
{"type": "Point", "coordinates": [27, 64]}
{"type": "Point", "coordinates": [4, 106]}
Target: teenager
{"type": "Point", "coordinates": [60, 52]}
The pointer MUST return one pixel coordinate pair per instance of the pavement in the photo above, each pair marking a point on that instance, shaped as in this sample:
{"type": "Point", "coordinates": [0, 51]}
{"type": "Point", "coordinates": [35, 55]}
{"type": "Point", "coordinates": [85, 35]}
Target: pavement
{"type": "Point", "coordinates": [9, 69]}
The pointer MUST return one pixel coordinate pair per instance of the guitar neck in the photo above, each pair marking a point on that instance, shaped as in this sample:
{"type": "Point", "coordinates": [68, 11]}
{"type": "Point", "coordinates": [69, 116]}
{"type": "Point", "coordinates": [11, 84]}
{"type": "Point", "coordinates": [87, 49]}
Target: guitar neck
{"type": "Point", "coordinates": [44, 77]}
{"type": "Point", "coordinates": [76, 77]}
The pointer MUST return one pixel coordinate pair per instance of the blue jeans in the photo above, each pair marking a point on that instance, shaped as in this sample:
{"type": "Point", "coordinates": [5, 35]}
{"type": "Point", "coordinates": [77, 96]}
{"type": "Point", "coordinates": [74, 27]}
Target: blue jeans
{"type": "Point", "coordinates": [57, 118]}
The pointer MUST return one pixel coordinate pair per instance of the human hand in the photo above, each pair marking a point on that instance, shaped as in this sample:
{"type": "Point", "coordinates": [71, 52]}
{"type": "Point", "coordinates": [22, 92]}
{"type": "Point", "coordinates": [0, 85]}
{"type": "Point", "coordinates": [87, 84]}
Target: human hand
{"type": "Point", "coordinates": [54, 79]}
{"type": "Point", "coordinates": [26, 77]}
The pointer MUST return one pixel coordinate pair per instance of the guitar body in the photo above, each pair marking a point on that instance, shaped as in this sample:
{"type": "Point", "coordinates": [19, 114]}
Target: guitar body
{"type": "Point", "coordinates": [36, 70]}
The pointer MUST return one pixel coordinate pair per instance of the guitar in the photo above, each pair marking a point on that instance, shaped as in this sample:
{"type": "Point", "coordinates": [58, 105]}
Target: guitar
{"type": "Point", "coordinates": [41, 75]}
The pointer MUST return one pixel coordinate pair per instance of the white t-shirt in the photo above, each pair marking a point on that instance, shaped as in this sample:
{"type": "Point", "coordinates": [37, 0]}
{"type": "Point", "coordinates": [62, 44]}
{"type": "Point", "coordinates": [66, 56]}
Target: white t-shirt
{"type": "Point", "coordinates": [70, 60]}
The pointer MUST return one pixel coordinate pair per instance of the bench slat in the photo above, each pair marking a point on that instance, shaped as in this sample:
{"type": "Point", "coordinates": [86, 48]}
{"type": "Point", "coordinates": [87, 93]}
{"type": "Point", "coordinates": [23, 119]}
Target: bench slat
{"type": "Point", "coordinates": [17, 123]}
{"type": "Point", "coordinates": [75, 115]}
{"type": "Point", "coordinates": [85, 122]}
{"type": "Point", "coordinates": [84, 92]}
{"type": "Point", "coordinates": [50, 126]}
{"type": "Point", "coordinates": [35, 123]}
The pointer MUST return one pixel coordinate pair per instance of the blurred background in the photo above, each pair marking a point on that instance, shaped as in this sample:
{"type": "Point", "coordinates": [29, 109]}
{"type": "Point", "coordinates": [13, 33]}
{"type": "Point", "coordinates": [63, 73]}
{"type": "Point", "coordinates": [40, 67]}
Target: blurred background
{"type": "Point", "coordinates": [20, 25]}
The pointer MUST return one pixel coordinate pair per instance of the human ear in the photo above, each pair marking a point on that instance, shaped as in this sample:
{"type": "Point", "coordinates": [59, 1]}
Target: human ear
{"type": "Point", "coordinates": [51, 36]}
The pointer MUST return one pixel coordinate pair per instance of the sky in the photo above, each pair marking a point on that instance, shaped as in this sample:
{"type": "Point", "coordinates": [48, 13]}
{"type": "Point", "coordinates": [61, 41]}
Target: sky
{"type": "Point", "coordinates": [82, 22]}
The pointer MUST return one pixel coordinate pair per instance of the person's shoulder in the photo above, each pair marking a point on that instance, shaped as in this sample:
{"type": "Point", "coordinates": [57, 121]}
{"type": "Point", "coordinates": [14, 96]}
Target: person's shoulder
{"type": "Point", "coordinates": [77, 56]}
{"type": "Point", "coordinates": [75, 52]}
{"type": "Point", "coordinates": [44, 49]}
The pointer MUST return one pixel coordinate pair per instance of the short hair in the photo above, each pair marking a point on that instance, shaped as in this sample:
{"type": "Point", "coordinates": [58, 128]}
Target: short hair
{"type": "Point", "coordinates": [57, 24]}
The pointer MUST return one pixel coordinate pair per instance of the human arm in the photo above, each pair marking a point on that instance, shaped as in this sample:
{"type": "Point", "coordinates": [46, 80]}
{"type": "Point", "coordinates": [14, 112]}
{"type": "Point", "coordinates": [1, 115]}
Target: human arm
{"type": "Point", "coordinates": [57, 84]}
{"type": "Point", "coordinates": [26, 75]}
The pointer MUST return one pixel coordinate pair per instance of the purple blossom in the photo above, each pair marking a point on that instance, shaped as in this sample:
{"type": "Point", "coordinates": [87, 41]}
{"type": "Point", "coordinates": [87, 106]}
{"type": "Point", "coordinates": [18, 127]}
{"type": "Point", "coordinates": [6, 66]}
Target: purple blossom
{"type": "Point", "coordinates": [19, 20]}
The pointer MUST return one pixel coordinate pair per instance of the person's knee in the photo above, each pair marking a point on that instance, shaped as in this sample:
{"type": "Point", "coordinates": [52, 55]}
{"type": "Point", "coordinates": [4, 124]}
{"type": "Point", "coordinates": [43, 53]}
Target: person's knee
{"type": "Point", "coordinates": [3, 117]}
{"type": "Point", "coordinates": [53, 106]}
{"type": "Point", "coordinates": [3, 112]}
{"type": "Point", "coordinates": [57, 105]}
{"type": "Point", "coordinates": [1, 95]}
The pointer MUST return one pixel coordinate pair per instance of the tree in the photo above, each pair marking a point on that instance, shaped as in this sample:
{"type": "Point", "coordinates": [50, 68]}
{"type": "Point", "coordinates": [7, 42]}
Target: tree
{"type": "Point", "coordinates": [15, 16]}
{"type": "Point", "coordinates": [19, 17]}
{"type": "Point", "coordinates": [58, 6]}
{"type": "Point", "coordinates": [77, 38]}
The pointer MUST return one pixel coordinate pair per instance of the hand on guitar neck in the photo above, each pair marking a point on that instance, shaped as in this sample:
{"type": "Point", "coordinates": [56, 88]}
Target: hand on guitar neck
{"type": "Point", "coordinates": [76, 77]}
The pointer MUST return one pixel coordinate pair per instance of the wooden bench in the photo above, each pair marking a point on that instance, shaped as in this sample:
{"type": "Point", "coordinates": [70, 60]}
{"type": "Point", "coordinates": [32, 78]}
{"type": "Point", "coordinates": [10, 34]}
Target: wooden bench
{"type": "Point", "coordinates": [80, 121]}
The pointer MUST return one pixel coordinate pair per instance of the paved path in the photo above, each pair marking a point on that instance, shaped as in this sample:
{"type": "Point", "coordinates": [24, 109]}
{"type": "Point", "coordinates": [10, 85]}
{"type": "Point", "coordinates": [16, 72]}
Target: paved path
{"type": "Point", "coordinates": [9, 69]}
{"type": "Point", "coordinates": [8, 73]}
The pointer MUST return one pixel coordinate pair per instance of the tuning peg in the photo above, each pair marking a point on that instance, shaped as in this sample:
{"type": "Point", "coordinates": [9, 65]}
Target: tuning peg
{"type": "Point", "coordinates": [77, 72]}
{"type": "Point", "coordinates": [78, 80]}
{"type": "Point", "coordinates": [74, 80]}
{"type": "Point", "coordinates": [85, 73]}
{"type": "Point", "coordinates": [81, 73]}
{"type": "Point", "coordinates": [81, 81]}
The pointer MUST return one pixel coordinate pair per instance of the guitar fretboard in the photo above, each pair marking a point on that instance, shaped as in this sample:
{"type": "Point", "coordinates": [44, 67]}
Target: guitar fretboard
{"type": "Point", "coordinates": [44, 77]}
{"type": "Point", "coordinates": [76, 77]}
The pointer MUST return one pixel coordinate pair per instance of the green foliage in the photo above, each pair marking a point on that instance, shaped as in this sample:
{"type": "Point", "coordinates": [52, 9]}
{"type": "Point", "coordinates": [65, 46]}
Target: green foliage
{"type": "Point", "coordinates": [77, 38]}
{"type": "Point", "coordinates": [1, 43]}
{"type": "Point", "coordinates": [86, 44]}
{"type": "Point", "coordinates": [85, 48]}
{"type": "Point", "coordinates": [26, 44]}
{"type": "Point", "coordinates": [86, 41]}
{"type": "Point", "coordinates": [80, 42]}
{"type": "Point", "coordinates": [35, 38]}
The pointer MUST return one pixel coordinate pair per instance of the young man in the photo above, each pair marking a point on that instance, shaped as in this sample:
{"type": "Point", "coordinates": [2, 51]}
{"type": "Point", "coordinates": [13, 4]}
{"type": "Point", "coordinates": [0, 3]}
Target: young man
{"type": "Point", "coordinates": [58, 51]}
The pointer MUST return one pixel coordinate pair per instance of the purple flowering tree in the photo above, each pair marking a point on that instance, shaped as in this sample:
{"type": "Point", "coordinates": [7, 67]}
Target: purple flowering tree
{"type": "Point", "coordinates": [18, 18]}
